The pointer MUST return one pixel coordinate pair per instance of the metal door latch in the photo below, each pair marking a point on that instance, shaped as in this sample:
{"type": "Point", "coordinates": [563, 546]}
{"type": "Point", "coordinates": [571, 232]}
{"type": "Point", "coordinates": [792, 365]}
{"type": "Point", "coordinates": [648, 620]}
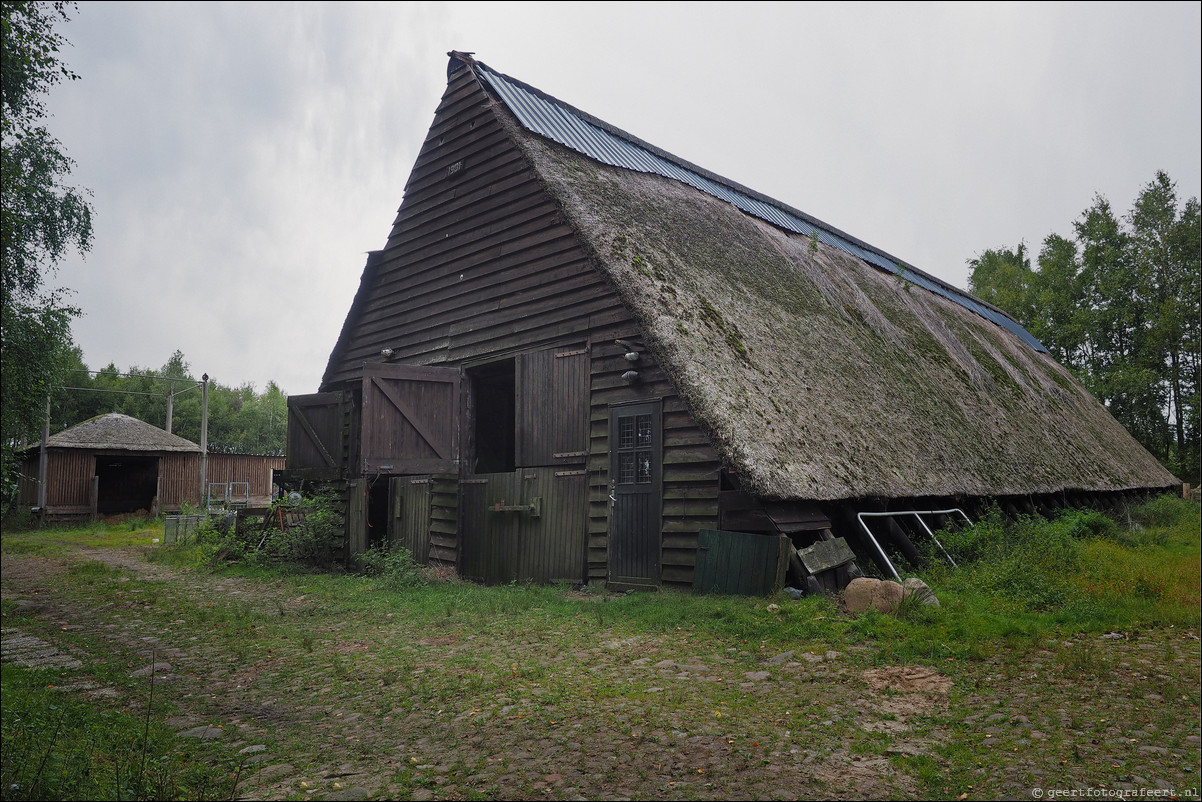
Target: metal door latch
{"type": "Point", "coordinates": [534, 509]}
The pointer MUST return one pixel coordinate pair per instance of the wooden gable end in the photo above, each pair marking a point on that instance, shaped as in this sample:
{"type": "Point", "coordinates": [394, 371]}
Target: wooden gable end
{"type": "Point", "coordinates": [479, 260]}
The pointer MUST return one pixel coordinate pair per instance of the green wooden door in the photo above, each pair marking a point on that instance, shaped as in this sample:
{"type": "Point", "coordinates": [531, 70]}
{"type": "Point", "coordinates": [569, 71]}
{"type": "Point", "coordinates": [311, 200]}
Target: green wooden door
{"type": "Point", "coordinates": [738, 563]}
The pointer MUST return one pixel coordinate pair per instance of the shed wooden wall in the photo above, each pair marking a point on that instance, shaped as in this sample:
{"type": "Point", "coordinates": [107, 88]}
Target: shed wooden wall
{"type": "Point", "coordinates": [69, 473]}
{"type": "Point", "coordinates": [179, 481]}
{"type": "Point", "coordinates": [253, 469]}
{"type": "Point", "coordinates": [480, 265]}
{"type": "Point", "coordinates": [479, 262]}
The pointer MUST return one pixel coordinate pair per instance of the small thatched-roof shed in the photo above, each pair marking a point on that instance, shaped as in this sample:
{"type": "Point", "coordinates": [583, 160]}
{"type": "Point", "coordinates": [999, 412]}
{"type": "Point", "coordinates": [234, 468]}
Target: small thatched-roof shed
{"type": "Point", "coordinates": [115, 463]}
{"type": "Point", "coordinates": [115, 431]}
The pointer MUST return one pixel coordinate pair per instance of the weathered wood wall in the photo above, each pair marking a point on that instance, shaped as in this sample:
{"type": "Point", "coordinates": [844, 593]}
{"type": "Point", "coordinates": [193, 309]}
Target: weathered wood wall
{"type": "Point", "coordinates": [255, 470]}
{"type": "Point", "coordinates": [70, 473]}
{"type": "Point", "coordinates": [481, 266]}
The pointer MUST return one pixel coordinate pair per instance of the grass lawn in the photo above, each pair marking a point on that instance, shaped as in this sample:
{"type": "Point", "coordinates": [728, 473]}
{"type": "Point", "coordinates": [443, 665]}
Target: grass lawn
{"type": "Point", "coordinates": [1064, 655]}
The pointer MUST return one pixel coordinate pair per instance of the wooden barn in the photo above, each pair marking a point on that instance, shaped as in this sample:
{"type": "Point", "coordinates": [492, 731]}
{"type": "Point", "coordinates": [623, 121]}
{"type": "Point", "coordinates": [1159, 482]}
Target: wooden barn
{"type": "Point", "coordinates": [114, 464]}
{"type": "Point", "coordinates": [581, 359]}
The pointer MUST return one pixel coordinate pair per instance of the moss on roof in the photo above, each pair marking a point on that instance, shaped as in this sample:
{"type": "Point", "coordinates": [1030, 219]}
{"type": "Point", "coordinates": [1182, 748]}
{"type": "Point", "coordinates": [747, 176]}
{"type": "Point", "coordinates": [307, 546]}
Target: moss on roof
{"type": "Point", "coordinates": [115, 431]}
{"type": "Point", "coordinates": [821, 377]}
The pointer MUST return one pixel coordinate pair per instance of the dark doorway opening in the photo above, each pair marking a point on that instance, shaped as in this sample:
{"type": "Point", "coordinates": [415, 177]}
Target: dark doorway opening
{"type": "Point", "coordinates": [126, 484]}
{"type": "Point", "coordinates": [494, 392]}
{"type": "Point", "coordinates": [377, 512]}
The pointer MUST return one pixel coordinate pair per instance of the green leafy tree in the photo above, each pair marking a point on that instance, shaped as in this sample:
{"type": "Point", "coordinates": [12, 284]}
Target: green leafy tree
{"type": "Point", "coordinates": [1119, 304]}
{"type": "Point", "coordinates": [241, 421]}
{"type": "Point", "coordinates": [1004, 278]}
{"type": "Point", "coordinates": [41, 219]}
{"type": "Point", "coordinates": [1166, 254]}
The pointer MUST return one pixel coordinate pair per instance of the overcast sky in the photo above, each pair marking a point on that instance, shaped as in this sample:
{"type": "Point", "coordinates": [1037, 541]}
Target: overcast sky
{"type": "Point", "coordinates": [244, 158]}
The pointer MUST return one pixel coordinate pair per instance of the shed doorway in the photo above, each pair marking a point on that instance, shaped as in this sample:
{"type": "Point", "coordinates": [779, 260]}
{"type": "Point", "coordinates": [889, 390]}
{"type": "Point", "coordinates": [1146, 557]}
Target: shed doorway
{"type": "Point", "coordinates": [126, 484]}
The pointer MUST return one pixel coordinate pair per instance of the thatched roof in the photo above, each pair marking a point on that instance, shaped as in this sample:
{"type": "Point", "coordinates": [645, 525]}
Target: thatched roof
{"type": "Point", "coordinates": [115, 431]}
{"type": "Point", "coordinates": [821, 376]}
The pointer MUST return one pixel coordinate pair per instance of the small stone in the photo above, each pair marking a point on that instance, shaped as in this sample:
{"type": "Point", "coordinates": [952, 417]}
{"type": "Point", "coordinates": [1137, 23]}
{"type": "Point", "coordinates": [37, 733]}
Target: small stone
{"type": "Point", "coordinates": [918, 590]}
{"type": "Point", "coordinates": [205, 733]}
{"type": "Point", "coordinates": [153, 668]}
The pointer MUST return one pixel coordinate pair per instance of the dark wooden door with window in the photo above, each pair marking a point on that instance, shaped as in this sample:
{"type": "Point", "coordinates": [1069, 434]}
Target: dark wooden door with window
{"type": "Point", "coordinates": [635, 485]}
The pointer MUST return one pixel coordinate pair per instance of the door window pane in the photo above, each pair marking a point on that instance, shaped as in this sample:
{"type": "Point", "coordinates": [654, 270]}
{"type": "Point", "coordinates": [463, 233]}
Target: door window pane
{"type": "Point", "coordinates": [643, 467]}
{"type": "Point", "coordinates": [635, 449]}
{"type": "Point", "coordinates": [643, 437]}
{"type": "Point", "coordinates": [626, 468]}
{"type": "Point", "coordinates": [625, 432]}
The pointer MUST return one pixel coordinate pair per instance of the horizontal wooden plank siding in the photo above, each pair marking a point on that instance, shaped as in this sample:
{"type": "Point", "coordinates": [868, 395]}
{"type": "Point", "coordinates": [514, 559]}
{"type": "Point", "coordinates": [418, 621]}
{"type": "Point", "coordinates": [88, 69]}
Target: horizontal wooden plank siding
{"type": "Point", "coordinates": [691, 466]}
{"type": "Point", "coordinates": [444, 520]}
{"type": "Point", "coordinates": [479, 261]}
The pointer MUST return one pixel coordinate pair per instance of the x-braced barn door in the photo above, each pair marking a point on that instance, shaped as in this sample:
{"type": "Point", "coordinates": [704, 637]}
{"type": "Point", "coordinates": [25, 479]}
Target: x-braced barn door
{"type": "Point", "coordinates": [635, 482]}
{"type": "Point", "coordinates": [410, 420]}
{"type": "Point", "coordinates": [315, 435]}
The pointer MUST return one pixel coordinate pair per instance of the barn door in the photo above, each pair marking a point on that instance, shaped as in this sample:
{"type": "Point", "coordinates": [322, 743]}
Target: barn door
{"type": "Point", "coordinates": [410, 422]}
{"type": "Point", "coordinates": [315, 434]}
{"type": "Point", "coordinates": [409, 515]}
{"type": "Point", "coordinates": [552, 407]}
{"type": "Point", "coordinates": [635, 482]}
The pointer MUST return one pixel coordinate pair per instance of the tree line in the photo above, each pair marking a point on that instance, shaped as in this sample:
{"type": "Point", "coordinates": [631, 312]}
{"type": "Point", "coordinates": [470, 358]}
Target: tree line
{"type": "Point", "coordinates": [240, 420]}
{"type": "Point", "coordinates": [1118, 304]}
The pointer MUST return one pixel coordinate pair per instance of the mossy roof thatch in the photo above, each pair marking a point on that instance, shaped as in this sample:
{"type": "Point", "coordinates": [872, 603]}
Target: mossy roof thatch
{"type": "Point", "coordinates": [115, 431]}
{"type": "Point", "coordinates": [820, 376]}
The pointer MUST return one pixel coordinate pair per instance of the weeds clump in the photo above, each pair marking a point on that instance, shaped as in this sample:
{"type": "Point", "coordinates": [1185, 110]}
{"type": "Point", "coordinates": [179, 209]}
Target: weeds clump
{"type": "Point", "coordinates": [57, 746]}
{"type": "Point", "coordinates": [1082, 569]}
{"type": "Point", "coordinates": [1167, 511]}
{"type": "Point", "coordinates": [309, 541]}
{"type": "Point", "coordinates": [393, 566]}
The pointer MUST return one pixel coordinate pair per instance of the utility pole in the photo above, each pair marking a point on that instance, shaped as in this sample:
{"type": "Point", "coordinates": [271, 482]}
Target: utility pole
{"type": "Point", "coordinates": [170, 404]}
{"type": "Point", "coordinates": [43, 460]}
{"type": "Point", "coordinates": [204, 440]}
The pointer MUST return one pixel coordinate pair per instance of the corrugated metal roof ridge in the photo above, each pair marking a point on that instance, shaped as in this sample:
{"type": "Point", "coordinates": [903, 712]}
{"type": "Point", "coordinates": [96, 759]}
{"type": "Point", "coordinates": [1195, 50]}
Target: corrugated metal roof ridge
{"type": "Point", "coordinates": [775, 212]}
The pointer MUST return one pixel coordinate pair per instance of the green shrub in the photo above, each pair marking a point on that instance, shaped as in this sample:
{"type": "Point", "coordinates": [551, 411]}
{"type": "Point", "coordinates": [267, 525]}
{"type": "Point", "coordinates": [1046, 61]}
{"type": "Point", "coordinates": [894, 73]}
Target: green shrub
{"type": "Point", "coordinates": [1167, 510]}
{"type": "Point", "coordinates": [1086, 524]}
{"type": "Point", "coordinates": [394, 566]}
{"type": "Point", "coordinates": [310, 543]}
